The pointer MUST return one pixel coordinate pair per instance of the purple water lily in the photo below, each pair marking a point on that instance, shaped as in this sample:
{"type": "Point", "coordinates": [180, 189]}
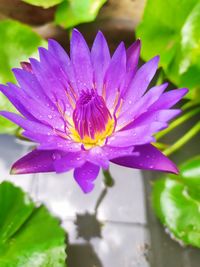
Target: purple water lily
{"type": "Point", "coordinates": [90, 109]}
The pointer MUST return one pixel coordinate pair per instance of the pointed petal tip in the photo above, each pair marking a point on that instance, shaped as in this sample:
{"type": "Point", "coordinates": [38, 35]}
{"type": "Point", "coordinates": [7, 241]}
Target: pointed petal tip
{"type": "Point", "coordinates": [75, 31]}
{"type": "Point", "coordinates": [176, 170]}
{"type": "Point", "coordinates": [50, 40]}
{"type": "Point", "coordinates": [172, 168]}
{"type": "Point", "coordinates": [165, 84]}
{"type": "Point", "coordinates": [184, 91]}
{"type": "Point", "coordinates": [87, 189]}
{"type": "Point", "coordinates": [42, 52]}
{"type": "Point", "coordinates": [13, 171]}
{"type": "Point", "coordinates": [122, 44]}
{"type": "Point", "coordinates": [100, 35]}
{"type": "Point", "coordinates": [4, 112]}
{"type": "Point", "coordinates": [138, 42]}
{"type": "Point", "coordinates": [26, 66]}
{"type": "Point", "coordinates": [16, 70]}
{"type": "Point", "coordinates": [53, 44]}
{"type": "Point", "coordinates": [156, 59]}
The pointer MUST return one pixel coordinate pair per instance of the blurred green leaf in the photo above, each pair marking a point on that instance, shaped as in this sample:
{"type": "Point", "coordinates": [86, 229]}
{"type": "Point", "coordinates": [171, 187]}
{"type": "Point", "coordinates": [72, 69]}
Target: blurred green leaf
{"type": "Point", "coordinates": [171, 29]}
{"type": "Point", "coordinates": [176, 201]}
{"type": "Point", "coordinates": [29, 236]}
{"type": "Point", "coordinates": [186, 65]}
{"type": "Point", "coordinates": [74, 12]}
{"type": "Point", "coordinates": [43, 3]}
{"type": "Point", "coordinates": [18, 42]}
{"type": "Point", "coordinates": [190, 172]}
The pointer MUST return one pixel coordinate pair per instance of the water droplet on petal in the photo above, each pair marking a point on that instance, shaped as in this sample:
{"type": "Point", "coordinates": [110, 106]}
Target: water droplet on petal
{"type": "Point", "coordinates": [56, 156]}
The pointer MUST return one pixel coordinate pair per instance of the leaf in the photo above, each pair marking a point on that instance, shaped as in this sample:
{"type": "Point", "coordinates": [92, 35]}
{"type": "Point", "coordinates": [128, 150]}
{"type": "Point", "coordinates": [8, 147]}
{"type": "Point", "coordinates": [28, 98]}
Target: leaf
{"type": "Point", "coordinates": [29, 236]}
{"type": "Point", "coordinates": [17, 43]}
{"type": "Point", "coordinates": [190, 172]}
{"type": "Point", "coordinates": [171, 29]}
{"type": "Point", "coordinates": [176, 201]}
{"type": "Point", "coordinates": [43, 3]}
{"type": "Point", "coordinates": [187, 65]}
{"type": "Point", "coordinates": [74, 12]}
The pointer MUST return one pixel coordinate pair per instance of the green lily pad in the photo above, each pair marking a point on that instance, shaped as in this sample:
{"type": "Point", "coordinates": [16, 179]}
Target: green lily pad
{"type": "Point", "coordinates": [176, 201]}
{"type": "Point", "coordinates": [29, 236]}
{"type": "Point", "coordinates": [171, 29]}
{"type": "Point", "coordinates": [43, 3]}
{"type": "Point", "coordinates": [74, 12]}
{"type": "Point", "coordinates": [190, 172]}
{"type": "Point", "coordinates": [18, 42]}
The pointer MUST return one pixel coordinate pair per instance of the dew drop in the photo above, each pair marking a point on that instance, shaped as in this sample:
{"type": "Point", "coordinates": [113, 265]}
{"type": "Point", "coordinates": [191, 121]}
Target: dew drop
{"type": "Point", "coordinates": [50, 116]}
{"type": "Point", "coordinates": [56, 156]}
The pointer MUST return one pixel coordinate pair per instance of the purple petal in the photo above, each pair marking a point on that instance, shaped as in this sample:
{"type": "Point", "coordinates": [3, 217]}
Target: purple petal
{"type": "Point", "coordinates": [56, 90]}
{"type": "Point", "coordinates": [149, 117]}
{"type": "Point", "coordinates": [169, 99]}
{"type": "Point", "coordinates": [116, 152]}
{"type": "Point", "coordinates": [149, 158]}
{"type": "Point", "coordinates": [52, 142]}
{"type": "Point", "coordinates": [80, 57]}
{"type": "Point", "coordinates": [115, 75]}
{"type": "Point", "coordinates": [97, 156]}
{"type": "Point", "coordinates": [63, 60]}
{"type": "Point", "coordinates": [29, 125]}
{"type": "Point", "coordinates": [42, 134]}
{"type": "Point", "coordinates": [100, 56]}
{"type": "Point", "coordinates": [86, 175]}
{"type": "Point", "coordinates": [132, 54]}
{"type": "Point", "coordinates": [136, 136]}
{"type": "Point", "coordinates": [55, 77]}
{"type": "Point", "coordinates": [69, 161]}
{"type": "Point", "coordinates": [34, 162]}
{"type": "Point", "coordinates": [17, 98]}
{"type": "Point", "coordinates": [26, 66]}
{"type": "Point", "coordinates": [31, 109]}
{"type": "Point", "coordinates": [31, 86]}
{"type": "Point", "coordinates": [140, 83]}
{"type": "Point", "coordinates": [141, 106]}
{"type": "Point", "coordinates": [60, 144]}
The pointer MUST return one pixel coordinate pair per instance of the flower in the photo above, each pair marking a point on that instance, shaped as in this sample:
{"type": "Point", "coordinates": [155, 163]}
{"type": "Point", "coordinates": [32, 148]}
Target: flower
{"type": "Point", "coordinates": [90, 109]}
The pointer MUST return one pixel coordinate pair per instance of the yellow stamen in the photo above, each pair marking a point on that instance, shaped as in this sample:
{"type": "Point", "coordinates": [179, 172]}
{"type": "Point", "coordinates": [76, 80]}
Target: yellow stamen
{"type": "Point", "coordinates": [99, 139]}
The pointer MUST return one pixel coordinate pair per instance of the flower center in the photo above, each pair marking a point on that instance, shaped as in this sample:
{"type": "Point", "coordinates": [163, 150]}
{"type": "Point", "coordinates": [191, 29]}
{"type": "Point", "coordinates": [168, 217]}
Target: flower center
{"type": "Point", "coordinates": [92, 119]}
